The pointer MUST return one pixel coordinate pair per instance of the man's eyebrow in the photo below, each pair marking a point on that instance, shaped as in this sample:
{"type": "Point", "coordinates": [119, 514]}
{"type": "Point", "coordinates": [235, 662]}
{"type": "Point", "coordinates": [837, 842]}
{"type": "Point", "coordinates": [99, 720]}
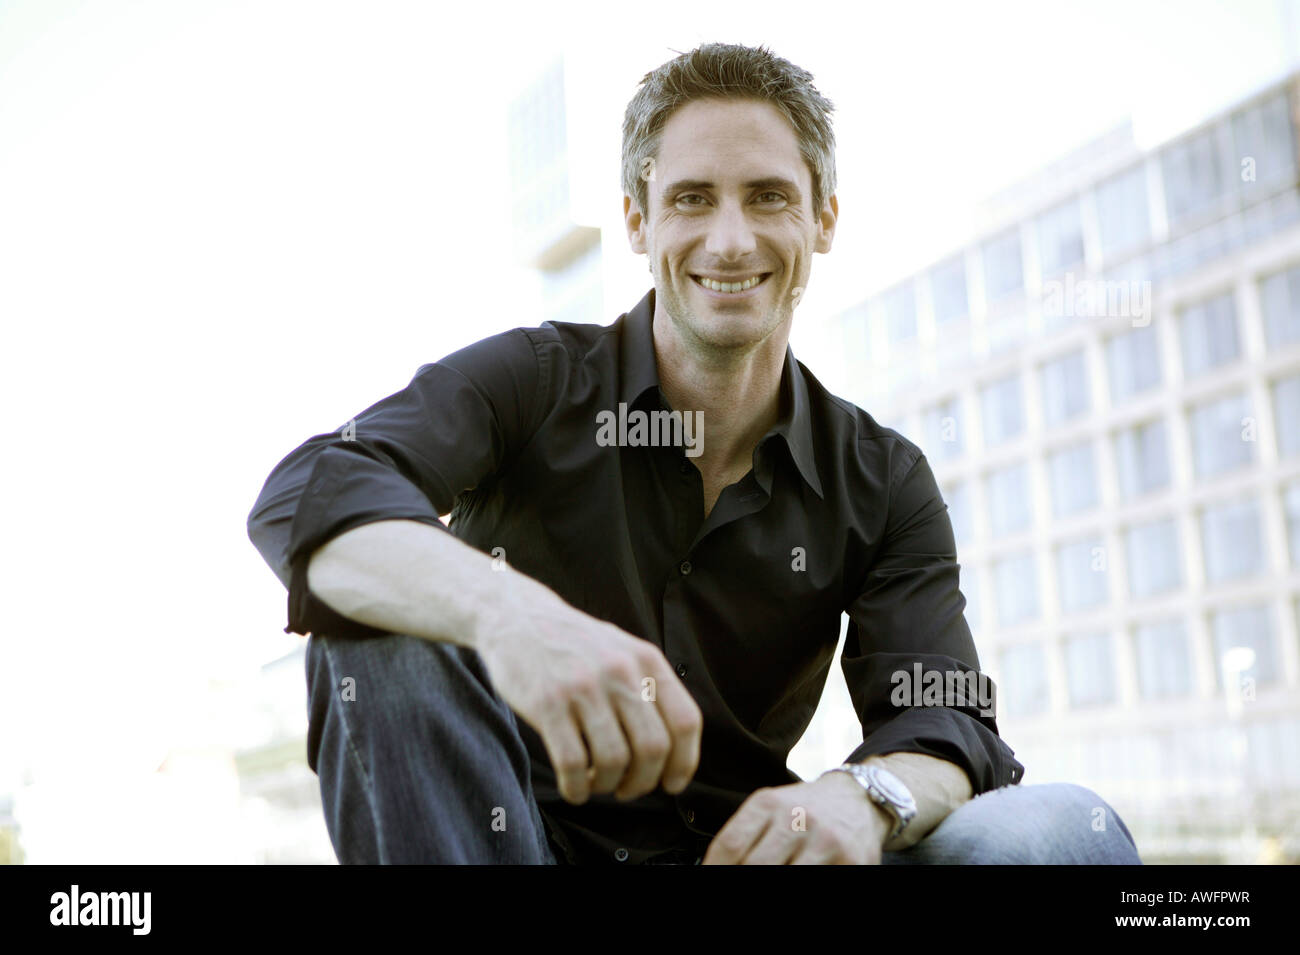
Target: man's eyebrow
{"type": "Point", "coordinates": [768, 182]}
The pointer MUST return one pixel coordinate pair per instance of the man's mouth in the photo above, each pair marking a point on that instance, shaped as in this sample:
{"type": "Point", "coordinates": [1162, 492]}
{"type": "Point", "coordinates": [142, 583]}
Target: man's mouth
{"type": "Point", "coordinates": [737, 287]}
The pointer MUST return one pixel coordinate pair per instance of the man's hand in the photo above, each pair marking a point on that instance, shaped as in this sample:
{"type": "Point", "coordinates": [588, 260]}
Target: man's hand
{"type": "Point", "coordinates": [829, 821]}
{"type": "Point", "coordinates": [611, 712]}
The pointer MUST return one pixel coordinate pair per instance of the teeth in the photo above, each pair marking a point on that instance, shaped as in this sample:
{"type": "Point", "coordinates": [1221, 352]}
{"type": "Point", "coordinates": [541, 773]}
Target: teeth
{"type": "Point", "coordinates": [749, 283]}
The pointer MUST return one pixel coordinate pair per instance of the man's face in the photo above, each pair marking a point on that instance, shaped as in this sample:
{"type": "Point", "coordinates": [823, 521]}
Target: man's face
{"type": "Point", "coordinates": [730, 200]}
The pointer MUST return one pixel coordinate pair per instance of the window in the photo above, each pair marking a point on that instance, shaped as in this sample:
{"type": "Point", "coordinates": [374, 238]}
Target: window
{"type": "Point", "coordinates": [1089, 672]}
{"type": "Point", "coordinates": [898, 306]}
{"type": "Point", "coordinates": [957, 498]}
{"type": "Point", "coordinates": [1015, 584]}
{"type": "Point", "coordinates": [1073, 474]}
{"type": "Point", "coordinates": [1134, 359]}
{"type": "Point", "coordinates": [1154, 558]}
{"type": "Point", "coordinates": [1060, 238]}
{"type": "Point", "coordinates": [1164, 659]}
{"type": "Point", "coordinates": [1003, 410]}
{"type": "Point", "coordinates": [1024, 689]}
{"type": "Point", "coordinates": [1122, 211]}
{"type": "Point", "coordinates": [1291, 507]}
{"type": "Point", "coordinates": [1081, 574]}
{"type": "Point", "coordinates": [1193, 176]}
{"type": "Point", "coordinates": [1142, 456]}
{"type": "Point", "coordinates": [1249, 626]}
{"type": "Point", "coordinates": [1065, 388]}
{"type": "Point", "coordinates": [1009, 500]}
{"type": "Point", "coordinates": [1231, 540]}
{"type": "Point", "coordinates": [1262, 134]}
{"type": "Point", "coordinates": [948, 290]}
{"type": "Point", "coordinates": [1219, 436]}
{"type": "Point", "coordinates": [1209, 334]}
{"type": "Point", "coordinates": [1286, 415]}
{"type": "Point", "coordinates": [943, 430]}
{"type": "Point", "coordinates": [1003, 273]}
{"type": "Point", "coordinates": [1279, 300]}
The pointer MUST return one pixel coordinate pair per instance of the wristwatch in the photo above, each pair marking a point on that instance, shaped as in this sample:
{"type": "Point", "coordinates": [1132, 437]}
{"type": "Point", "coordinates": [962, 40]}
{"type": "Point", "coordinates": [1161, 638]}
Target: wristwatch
{"type": "Point", "coordinates": [885, 790]}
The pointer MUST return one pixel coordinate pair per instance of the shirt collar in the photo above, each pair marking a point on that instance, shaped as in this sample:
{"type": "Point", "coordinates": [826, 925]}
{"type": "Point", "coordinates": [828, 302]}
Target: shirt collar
{"type": "Point", "coordinates": [639, 373]}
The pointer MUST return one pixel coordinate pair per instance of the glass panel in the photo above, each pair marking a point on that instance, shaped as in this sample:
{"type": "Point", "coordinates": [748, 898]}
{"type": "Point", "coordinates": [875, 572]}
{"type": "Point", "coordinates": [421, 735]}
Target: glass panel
{"type": "Point", "coordinates": [1081, 574]}
{"type": "Point", "coordinates": [1209, 335]}
{"type": "Point", "coordinates": [1219, 435]}
{"type": "Point", "coordinates": [948, 290]}
{"type": "Point", "coordinates": [1065, 388]}
{"type": "Point", "coordinates": [1002, 265]}
{"type": "Point", "coordinates": [1230, 535]}
{"type": "Point", "coordinates": [1009, 500]}
{"type": "Point", "coordinates": [1015, 584]}
{"type": "Point", "coordinates": [1249, 626]}
{"type": "Point", "coordinates": [1164, 659]}
{"type": "Point", "coordinates": [943, 430]}
{"type": "Point", "coordinates": [1262, 134]}
{"type": "Point", "coordinates": [1060, 238]}
{"type": "Point", "coordinates": [1134, 359]}
{"type": "Point", "coordinates": [1154, 558]}
{"type": "Point", "coordinates": [957, 498]}
{"type": "Point", "coordinates": [1286, 415]}
{"type": "Point", "coordinates": [1122, 211]}
{"type": "Point", "coordinates": [1073, 474]}
{"type": "Point", "coordinates": [1023, 688]}
{"type": "Point", "coordinates": [1089, 670]}
{"type": "Point", "coordinates": [1003, 410]}
{"type": "Point", "coordinates": [1193, 176]}
{"type": "Point", "coordinates": [898, 306]}
{"type": "Point", "coordinates": [1142, 456]}
{"type": "Point", "coordinates": [1279, 299]}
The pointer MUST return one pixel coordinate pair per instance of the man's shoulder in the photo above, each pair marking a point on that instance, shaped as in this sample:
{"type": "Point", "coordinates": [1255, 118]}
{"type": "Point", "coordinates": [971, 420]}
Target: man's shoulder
{"type": "Point", "coordinates": [862, 438]}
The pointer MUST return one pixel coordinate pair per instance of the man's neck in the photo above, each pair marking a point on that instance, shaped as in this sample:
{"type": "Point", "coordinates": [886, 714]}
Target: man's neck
{"type": "Point", "coordinates": [738, 390]}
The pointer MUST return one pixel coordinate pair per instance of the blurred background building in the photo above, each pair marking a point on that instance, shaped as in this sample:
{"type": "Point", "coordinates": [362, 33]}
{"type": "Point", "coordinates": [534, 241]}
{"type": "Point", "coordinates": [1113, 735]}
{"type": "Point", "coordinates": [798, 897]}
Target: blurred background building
{"type": "Point", "coordinates": [1106, 381]}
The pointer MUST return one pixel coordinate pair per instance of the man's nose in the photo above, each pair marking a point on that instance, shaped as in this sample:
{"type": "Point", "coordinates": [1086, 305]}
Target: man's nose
{"type": "Point", "coordinates": [731, 236]}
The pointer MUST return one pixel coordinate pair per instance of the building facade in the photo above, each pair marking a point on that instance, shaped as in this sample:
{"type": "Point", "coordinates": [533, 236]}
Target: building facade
{"type": "Point", "coordinates": [1107, 385]}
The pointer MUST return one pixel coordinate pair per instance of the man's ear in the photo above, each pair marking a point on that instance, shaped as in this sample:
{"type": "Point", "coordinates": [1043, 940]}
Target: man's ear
{"type": "Point", "coordinates": [826, 226]}
{"type": "Point", "coordinates": [635, 224]}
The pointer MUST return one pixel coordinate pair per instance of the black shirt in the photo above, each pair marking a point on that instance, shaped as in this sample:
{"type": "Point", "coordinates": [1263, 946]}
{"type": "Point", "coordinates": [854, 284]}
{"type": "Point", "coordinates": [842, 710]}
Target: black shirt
{"type": "Point", "coordinates": [838, 515]}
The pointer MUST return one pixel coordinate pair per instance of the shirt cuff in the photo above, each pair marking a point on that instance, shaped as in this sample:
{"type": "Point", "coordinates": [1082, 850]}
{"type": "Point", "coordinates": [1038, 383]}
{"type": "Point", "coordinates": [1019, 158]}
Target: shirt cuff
{"type": "Point", "coordinates": [309, 614]}
{"type": "Point", "coordinates": [949, 735]}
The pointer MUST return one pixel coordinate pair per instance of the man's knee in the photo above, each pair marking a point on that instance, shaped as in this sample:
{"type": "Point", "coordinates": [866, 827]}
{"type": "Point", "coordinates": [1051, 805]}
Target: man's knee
{"type": "Point", "coordinates": [1044, 823]}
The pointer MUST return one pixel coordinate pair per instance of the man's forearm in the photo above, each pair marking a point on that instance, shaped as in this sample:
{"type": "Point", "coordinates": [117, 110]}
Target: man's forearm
{"type": "Point", "coordinates": [937, 785]}
{"type": "Point", "coordinates": [407, 577]}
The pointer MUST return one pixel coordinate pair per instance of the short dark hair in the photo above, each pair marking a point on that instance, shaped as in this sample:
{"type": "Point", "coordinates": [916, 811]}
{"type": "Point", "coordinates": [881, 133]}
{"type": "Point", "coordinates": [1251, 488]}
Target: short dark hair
{"type": "Point", "coordinates": [728, 71]}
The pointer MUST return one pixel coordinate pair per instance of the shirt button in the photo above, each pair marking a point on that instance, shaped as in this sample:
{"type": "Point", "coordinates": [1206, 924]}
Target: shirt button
{"type": "Point", "coordinates": [690, 815]}
{"type": "Point", "coordinates": [620, 855]}
{"type": "Point", "coordinates": [684, 467]}
{"type": "Point", "coordinates": [684, 567]}
{"type": "Point", "coordinates": [681, 669]}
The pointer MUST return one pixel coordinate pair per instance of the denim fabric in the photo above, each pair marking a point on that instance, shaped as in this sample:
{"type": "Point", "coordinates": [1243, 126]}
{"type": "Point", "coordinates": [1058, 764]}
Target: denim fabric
{"type": "Point", "coordinates": [420, 761]}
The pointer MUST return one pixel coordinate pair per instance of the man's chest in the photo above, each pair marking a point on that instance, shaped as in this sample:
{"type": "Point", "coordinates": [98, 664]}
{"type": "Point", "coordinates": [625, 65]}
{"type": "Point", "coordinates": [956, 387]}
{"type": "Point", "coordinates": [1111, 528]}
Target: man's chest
{"type": "Point", "coordinates": [639, 536]}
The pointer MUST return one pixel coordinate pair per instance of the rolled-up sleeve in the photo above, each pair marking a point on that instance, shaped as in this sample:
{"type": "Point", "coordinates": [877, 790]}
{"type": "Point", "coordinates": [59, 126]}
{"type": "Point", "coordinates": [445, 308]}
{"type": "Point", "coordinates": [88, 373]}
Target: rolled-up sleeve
{"type": "Point", "coordinates": [409, 456]}
{"type": "Point", "coordinates": [908, 622]}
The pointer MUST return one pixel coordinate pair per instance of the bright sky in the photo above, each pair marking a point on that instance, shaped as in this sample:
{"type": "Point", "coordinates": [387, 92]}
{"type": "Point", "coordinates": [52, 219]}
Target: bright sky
{"type": "Point", "coordinates": [226, 227]}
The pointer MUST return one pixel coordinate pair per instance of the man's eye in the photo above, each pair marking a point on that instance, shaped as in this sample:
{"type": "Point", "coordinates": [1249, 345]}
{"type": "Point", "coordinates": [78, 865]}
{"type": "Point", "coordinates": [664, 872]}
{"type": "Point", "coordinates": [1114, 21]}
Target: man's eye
{"type": "Point", "coordinates": [777, 197]}
{"type": "Point", "coordinates": [690, 195]}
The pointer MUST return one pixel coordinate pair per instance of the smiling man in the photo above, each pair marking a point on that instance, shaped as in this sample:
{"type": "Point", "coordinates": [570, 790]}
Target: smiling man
{"type": "Point", "coordinates": [610, 651]}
